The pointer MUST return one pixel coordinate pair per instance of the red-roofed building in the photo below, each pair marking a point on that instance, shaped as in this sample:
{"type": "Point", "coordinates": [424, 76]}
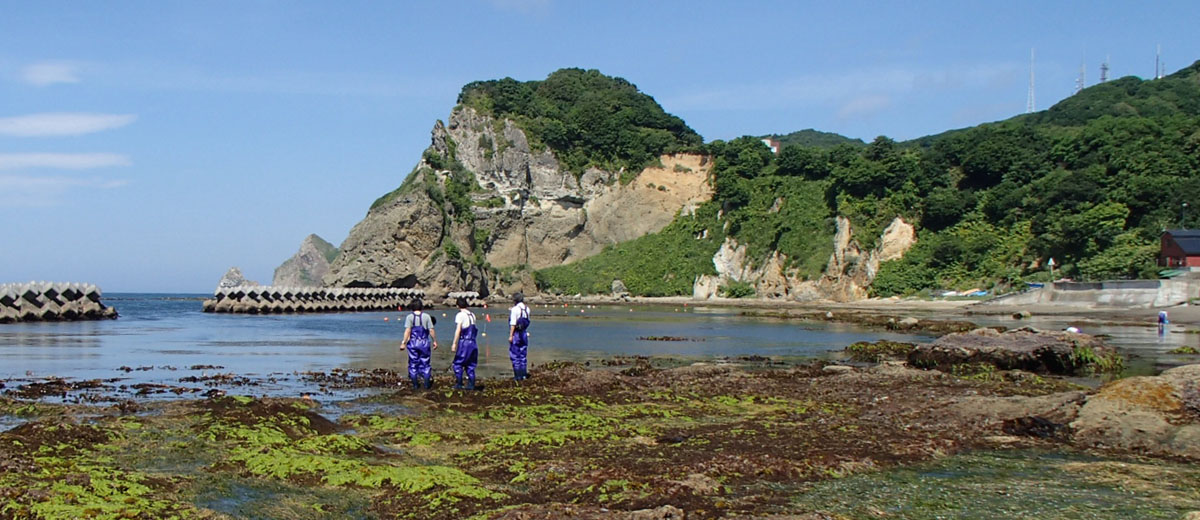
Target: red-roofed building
{"type": "Point", "coordinates": [1180, 248]}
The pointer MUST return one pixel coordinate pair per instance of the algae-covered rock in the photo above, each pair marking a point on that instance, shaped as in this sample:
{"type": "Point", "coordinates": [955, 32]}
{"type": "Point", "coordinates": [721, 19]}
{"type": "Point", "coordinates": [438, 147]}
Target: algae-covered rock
{"type": "Point", "coordinates": [1035, 351]}
{"type": "Point", "coordinates": [1159, 414]}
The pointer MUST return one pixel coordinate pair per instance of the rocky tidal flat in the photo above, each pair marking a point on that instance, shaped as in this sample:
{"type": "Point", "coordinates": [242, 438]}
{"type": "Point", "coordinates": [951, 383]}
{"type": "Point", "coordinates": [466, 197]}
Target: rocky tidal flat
{"type": "Point", "coordinates": [627, 438]}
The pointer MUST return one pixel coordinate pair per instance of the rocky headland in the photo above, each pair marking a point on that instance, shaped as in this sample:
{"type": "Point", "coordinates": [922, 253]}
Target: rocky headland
{"type": "Point", "coordinates": [525, 212]}
{"type": "Point", "coordinates": [308, 265]}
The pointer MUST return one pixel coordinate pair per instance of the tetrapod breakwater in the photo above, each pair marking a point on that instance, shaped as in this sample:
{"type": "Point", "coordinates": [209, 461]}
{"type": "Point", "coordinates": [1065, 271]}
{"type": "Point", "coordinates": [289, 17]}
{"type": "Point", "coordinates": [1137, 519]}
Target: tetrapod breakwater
{"type": "Point", "coordinates": [267, 299]}
{"type": "Point", "coordinates": [52, 301]}
{"type": "Point", "coordinates": [472, 297]}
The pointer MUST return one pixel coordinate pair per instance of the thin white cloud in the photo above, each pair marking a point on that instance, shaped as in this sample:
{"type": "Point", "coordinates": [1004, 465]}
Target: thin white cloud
{"type": "Point", "coordinates": [842, 89]}
{"type": "Point", "coordinates": [50, 73]}
{"type": "Point", "coordinates": [864, 106]}
{"type": "Point", "coordinates": [34, 191]}
{"type": "Point", "coordinates": [281, 82]}
{"type": "Point", "coordinates": [61, 123]}
{"type": "Point", "coordinates": [64, 161]}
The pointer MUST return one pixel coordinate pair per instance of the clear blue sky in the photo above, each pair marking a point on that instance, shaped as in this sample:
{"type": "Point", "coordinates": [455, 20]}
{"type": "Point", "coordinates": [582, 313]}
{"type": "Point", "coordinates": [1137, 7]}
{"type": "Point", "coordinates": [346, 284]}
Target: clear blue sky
{"type": "Point", "coordinates": [149, 146]}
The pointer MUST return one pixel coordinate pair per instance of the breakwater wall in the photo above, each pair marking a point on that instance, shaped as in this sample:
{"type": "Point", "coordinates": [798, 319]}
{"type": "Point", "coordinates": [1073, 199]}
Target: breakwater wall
{"type": "Point", "coordinates": [472, 297]}
{"type": "Point", "coordinates": [266, 299]}
{"type": "Point", "coordinates": [52, 301]}
{"type": "Point", "coordinates": [1126, 294]}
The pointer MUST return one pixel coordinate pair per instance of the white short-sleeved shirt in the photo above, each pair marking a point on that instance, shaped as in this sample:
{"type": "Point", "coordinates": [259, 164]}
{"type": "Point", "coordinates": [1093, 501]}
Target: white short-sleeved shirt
{"type": "Point", "coordinates": [464, 319]}
{"type": "Point", "coordinates": [426, 321]}
{"type": "Point", "coordinates": [516, 312]}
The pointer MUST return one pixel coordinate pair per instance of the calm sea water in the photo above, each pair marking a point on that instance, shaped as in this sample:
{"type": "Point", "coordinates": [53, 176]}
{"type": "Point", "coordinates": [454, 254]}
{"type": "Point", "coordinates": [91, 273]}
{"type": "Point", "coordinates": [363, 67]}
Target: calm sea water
{"type": "Point", "coordinates": [165, 337]}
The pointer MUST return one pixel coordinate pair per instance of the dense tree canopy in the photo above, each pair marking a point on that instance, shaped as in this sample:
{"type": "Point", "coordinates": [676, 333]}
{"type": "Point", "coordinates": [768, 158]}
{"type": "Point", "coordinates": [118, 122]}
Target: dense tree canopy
{"type": "Point", "coordinates": [586, 118]}
{"type": "Point", "coordinates": [1091, 182]}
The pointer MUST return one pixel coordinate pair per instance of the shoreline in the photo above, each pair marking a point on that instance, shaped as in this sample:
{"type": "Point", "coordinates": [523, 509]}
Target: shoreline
{"type": "Point", "coordinates": [948, 309]}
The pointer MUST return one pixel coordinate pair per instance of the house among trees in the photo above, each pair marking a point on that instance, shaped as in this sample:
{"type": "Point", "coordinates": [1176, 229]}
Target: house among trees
{"type": "Point", "coordinates": [773, 144]}
{"type": "Point", "coordinates": [1180, 248]}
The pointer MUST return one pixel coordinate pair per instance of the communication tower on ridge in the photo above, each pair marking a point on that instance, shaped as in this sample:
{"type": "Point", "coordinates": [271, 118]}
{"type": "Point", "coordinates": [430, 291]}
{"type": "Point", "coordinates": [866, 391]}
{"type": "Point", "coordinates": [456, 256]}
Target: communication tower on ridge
{"type": "Point", "coordinates": [1081, 81]}
{"type": "Point", "coordinates": [1029, 106]}
{"type": "Point", "coordinates": [1104, 70]}
{"type": "Point", "coordinates": [1158, 68]}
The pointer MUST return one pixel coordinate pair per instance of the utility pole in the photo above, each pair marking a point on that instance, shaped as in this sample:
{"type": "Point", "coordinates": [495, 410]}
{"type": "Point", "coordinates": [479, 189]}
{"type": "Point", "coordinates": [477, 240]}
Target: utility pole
{"type": "Point", "coordinates": [1183, 215]}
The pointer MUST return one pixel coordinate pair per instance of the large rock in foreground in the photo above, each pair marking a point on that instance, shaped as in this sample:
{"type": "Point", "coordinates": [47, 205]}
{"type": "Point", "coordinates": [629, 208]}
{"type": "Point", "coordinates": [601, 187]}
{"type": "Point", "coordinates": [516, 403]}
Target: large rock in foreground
{"type": "Point", "coordinates": [1043, 352]}
{"type": "Point", "coordinates": [1158, 415]}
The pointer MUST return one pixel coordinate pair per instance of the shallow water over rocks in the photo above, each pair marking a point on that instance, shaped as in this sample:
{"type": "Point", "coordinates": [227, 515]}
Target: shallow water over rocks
{"type": "Point", "coordinates": [164, 346]}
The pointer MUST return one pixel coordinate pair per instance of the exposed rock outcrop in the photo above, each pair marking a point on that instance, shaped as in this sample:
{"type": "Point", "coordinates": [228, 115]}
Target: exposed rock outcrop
{"type": "Point", "coordinates": [308, 265]}
{"type": "Point", "coordinates": [1159, 415]}
{"type": "Point", "coordinates": [525, 211]}
{"type": "Point", "coordinates": [233, 278]}
{"type": "Point", "coordinates": [851, 270]}
{"type": "Point", "coordinates": [848, 274]}
{"type": "Point", "coordinates": [1023, 349]}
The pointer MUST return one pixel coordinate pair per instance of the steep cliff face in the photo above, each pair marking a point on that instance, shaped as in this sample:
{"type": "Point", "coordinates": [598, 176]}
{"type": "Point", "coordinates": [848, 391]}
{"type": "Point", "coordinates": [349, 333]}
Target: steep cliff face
{"type": "Point", "coordinates": [308, 265]}
{"type": "Point", "coordinates": [848, 274]}
{"type": "Point", "coordinates": [523, 210]}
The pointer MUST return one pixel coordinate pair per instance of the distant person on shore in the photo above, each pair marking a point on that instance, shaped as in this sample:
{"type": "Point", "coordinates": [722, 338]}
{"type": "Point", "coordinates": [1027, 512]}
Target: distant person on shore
{"type": "Point", "coordinates": [466, 352]}
{"type": "Point", "coordinates": [518, 337]}
{"type": "Point", "coordinates": [420, 340]}
{"type": "Point", "coordinates": [1162, 321]}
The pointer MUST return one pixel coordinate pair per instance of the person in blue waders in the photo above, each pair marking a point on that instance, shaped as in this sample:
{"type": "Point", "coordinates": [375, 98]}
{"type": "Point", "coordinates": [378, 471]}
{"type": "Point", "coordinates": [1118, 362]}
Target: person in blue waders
{"type": "Point", "coordinates": [466, 352]}
{"type": "Point", "coordinates": [420, 340]}
{"type": "Point", "coordinates": [518, 337]}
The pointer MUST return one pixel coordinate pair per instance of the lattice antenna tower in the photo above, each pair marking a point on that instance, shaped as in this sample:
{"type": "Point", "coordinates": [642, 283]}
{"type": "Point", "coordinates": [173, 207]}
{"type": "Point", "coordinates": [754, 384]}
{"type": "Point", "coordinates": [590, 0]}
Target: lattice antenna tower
{"type": "Point", "coordinates": [1081, 81]}
{"type": "Point", "coordinates": [1158, 62]}
{"type": "Point", "coordinates": [1104, 70]}
{"type": "Point", "coordinates": [1030, 105]}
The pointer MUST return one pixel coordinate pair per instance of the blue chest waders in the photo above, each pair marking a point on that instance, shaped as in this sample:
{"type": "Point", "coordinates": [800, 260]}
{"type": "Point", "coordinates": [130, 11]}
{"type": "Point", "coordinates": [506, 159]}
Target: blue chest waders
{"type": "Point", "coordinates": [466, 357]}
{"type": "Point", "coordinates": [518, 349]}
{"type": "Point", "coordinates": [419, 354]}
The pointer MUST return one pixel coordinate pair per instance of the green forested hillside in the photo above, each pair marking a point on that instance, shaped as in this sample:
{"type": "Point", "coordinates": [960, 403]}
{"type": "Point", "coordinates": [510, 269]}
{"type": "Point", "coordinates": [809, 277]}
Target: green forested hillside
{"type": "Point", "coordinates": [810, 137]}
{"type": "Point", "coordinates": [586, 118]}
{"type": "Point", "coordinates": [1091, 182]}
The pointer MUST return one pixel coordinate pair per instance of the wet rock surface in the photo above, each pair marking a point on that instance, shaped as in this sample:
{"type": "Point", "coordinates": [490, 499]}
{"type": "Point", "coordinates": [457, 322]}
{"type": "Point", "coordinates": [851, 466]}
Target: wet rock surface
{"type": "Point", "coordinates": [1023, 349]}
{"type": "Point", "coordinates": [629, 438]}
{"type": "Point", "coordinates": [870, 319]}
{"type": "Point", "coordinates": [1159, 414]}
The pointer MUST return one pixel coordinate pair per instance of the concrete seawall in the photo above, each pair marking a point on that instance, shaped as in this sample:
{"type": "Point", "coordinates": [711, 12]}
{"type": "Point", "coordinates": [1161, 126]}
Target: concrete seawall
{"type": "Point", "coordinates": [52, 301]}
{"type": "Point", "coordinates": [1114, 294]}
{"type": "Point", "coordinates": [266, 299]}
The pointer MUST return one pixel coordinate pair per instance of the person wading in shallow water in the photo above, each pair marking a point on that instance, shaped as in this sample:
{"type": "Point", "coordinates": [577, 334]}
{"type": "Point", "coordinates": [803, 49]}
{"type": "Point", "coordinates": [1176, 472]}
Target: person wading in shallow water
{"type": "Point", "coordinates": [418, 338]}
{"type": "Point", "coordinates": [518, 337]}
{"type": "Point", "coordinates": [466, 352]}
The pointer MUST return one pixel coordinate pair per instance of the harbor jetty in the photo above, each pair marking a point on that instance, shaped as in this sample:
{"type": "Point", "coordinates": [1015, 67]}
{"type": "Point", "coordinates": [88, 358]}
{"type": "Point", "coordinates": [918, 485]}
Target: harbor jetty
{"type": "Point", "coordinates": [268, 299]}
{"type": "Point", "coordinates": [52, 301]}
